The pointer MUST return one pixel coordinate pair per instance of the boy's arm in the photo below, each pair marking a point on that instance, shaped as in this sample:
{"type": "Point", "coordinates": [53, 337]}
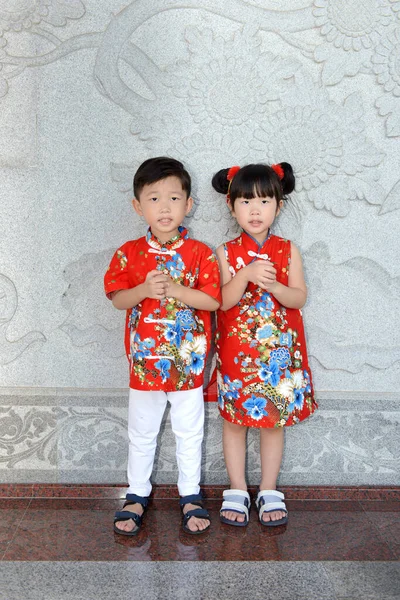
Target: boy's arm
{"type": "Point", "coordinates": [207, 295]}
{"type": "Point", "coordinates": [153, 287]}
{"type": "Point", "coordinates": [194, 298]}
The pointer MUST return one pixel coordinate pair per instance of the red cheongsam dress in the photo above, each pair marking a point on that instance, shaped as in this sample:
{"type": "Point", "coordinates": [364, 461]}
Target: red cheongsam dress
{"type": "Point", "coordinates": [263, 375]}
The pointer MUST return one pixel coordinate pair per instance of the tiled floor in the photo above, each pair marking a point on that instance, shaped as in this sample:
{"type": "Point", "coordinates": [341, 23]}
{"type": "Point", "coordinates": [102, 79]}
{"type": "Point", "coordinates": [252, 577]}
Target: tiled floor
{"type": "Point", "coordinates": [329, 544]}
{"type": "Point", "coordinates": [56, 529]}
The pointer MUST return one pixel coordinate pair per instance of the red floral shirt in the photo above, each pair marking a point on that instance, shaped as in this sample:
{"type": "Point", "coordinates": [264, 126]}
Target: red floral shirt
{"type": "Point", "coordinates": [166, 341]}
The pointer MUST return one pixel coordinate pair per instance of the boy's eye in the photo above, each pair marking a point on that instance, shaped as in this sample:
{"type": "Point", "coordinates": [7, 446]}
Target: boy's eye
{"type": "Point", "coordinates": [154, 199]}
{"type": "Point", "coordinates": [174, 198]}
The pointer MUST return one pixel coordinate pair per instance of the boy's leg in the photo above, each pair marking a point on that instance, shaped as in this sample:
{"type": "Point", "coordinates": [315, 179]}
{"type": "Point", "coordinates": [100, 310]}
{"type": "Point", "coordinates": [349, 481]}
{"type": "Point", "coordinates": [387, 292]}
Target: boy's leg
{"type": "Point", "coordinates": [146, 410]}
{"type": "Point", "coordinates": [271, 450]}
{"type": "Point", "coordinates": [187, 422]}
{"type": "Point", "coordinates": [234, 444]}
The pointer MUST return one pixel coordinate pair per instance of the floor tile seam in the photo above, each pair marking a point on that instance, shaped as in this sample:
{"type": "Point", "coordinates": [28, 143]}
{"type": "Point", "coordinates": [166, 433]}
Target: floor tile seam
{"type": "Point", "coordinates": [10, 542]}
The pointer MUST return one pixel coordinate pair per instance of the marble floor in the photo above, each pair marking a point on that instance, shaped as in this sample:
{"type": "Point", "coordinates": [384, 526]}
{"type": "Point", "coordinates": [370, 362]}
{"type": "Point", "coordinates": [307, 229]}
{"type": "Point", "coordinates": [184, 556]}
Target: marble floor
{"type": "Point", "coordinates": [63, 547]}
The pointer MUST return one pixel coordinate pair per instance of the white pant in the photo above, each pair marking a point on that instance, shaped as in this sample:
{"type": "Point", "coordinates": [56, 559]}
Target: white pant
{"type": "Point", "coordinates": [146, 410]}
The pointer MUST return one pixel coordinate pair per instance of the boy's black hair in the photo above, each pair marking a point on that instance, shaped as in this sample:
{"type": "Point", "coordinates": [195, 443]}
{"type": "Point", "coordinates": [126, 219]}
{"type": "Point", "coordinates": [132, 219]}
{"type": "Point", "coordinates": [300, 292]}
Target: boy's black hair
{"type": "Point", "coordinates": [255, 180]}
{"type": "Point", "coordinates": [161, 167]}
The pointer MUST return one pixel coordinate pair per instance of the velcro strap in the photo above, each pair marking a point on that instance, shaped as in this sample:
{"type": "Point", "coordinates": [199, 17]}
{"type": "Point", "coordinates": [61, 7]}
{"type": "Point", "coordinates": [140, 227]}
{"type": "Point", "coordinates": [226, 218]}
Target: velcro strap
{"type": "Point", "coordinates": [238, 507]}
{"type": "Point", "coordinates": [125, 515]}
{"type": "Point", "coordinates": [134, 498]}
{"type": "Point", "coordinates": [191, 499]}
{"type": "Point", "coordinates": [200, 513]}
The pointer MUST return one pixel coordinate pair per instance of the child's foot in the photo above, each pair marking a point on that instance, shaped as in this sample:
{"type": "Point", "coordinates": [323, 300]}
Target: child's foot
{"type": "Point", "coordinates": [271, 508]}
{"type": "Point", "coordinates": [195, 523]}
{"type": "Point", "coordinates": [130, 525]}
{"type": "Point", "coordinates": [235, 507]}
{"type": "Point", "coordinates": [195, 518]}
{"type": "Point", "coordinates": [275, 515]}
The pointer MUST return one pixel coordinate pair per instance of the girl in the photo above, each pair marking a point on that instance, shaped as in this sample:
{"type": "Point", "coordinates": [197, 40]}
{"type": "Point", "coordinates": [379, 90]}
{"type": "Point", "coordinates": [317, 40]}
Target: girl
{"type": "Point", "coordinates": [263, 376]}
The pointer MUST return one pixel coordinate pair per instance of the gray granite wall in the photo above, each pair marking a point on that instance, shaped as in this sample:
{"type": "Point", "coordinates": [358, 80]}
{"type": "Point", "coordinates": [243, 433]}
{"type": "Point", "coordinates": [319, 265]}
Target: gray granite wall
{"type": "Point", "coordinates": [90, 89]}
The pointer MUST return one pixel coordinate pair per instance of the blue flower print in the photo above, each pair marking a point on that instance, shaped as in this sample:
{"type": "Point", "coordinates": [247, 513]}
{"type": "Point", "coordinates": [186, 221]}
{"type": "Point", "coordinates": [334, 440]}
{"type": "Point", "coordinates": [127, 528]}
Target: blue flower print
{"type": "Point", "coordinates": [270, 372]}
{"type": "Point", "coordinates": [197, 363]}
{"type": "Point", "coordinates": [175, 266]}
{"type": "Point", "coordinates": [285, 339]}
{"type": "Point", "coordinates": [281, 356]}
{"type": "Point", "coordinates": [141, 349]}
{"type": "Point", "coordinates": [170, 334]}
{"type": "Point", "coordinates": [264, 305]}
{"type": "Point", "coordinates": [185, 320]}
{"type": "Point", "coordinates": [298, 400]}
{"type": "Point", "coordinates": [255, 407]}
{"type": "Point", "coordinates": [163, 365]}
{"type": "Point", "coordinates": [264, 333]}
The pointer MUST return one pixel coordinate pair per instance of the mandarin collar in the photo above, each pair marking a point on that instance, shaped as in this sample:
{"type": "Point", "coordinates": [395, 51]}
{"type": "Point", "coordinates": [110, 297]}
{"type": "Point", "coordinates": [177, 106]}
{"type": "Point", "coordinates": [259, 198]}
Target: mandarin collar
{"type": "Point", "coordinates": [155, 242]}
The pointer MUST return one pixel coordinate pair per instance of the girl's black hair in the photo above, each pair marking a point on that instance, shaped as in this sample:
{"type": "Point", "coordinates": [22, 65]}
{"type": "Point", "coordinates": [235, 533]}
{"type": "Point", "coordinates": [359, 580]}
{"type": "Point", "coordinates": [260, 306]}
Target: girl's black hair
{"type": "Point", "coordinates": [255, 180]}
{"type": "Point", "coordinates": [158, 168]}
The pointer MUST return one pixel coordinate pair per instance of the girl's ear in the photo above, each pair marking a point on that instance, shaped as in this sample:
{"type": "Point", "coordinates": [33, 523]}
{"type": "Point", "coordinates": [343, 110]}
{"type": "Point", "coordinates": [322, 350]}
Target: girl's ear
{"type": "Point", "coordinates": [189, 205]}
{"type": "Point", "coordinates": [278, 208]}
{"type": "Point", "coordinates": [137, 207]}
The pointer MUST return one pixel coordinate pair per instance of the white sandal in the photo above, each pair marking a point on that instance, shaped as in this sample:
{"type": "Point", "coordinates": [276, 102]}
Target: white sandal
{"type": "Point", "coordinates": [236, 501]}
{"type": "Point", "coordinates": [270, 501]}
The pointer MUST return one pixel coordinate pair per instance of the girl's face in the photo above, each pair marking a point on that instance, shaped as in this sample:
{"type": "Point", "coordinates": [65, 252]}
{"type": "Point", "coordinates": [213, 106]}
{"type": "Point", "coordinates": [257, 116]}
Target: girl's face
{"type": "Point", "coordinates": [256, 215]}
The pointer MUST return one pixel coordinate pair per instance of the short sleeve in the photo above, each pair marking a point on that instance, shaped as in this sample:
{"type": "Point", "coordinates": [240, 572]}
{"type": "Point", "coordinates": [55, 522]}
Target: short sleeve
{"type": "Point", "coordinates": [116, 277]}
{"type": "Point", "coordinates": [209, 280]}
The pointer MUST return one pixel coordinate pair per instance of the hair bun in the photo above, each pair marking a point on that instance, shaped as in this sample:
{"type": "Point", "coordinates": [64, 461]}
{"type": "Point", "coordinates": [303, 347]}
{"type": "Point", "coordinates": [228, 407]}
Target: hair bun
{"type": "Point", "coordinates": [288, 181]}
{"type": "Point", "coordinates": [220, 182]}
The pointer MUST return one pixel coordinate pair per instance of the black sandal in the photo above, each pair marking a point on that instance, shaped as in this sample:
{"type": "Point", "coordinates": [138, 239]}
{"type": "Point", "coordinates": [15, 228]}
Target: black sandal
{"type": "Point", "coordinates": [200, 512]}
{"type": "Point", "coordinates": [125, 515]}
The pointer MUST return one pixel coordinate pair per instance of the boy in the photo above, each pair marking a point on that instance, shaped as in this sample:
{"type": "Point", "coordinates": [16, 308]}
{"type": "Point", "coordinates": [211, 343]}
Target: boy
{"type": "Point", "coordinates": [168, 284]}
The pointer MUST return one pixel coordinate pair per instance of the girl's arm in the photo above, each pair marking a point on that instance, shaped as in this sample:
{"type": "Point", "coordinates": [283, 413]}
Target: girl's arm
{"type": "Point", "coordinates": [232, 287]}
{"type": "Point", "coordinates": [293, 295]}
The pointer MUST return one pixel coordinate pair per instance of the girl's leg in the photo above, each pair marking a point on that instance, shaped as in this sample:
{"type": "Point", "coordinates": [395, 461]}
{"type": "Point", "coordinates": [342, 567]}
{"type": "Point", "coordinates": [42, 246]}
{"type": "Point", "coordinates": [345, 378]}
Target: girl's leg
{"type": "Point", "coordinates": [271, 450]}
{"type": "Point", "coordinates": [145, 414]}
{"type": "Point", "coordinates": [187, 422]}
{"type": "Point", "coordinates": [234, 444]}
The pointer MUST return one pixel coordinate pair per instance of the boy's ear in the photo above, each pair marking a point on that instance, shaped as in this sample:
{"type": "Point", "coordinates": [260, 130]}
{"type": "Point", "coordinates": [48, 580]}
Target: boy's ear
{"type": "Point", "coordinates": [189, 205]}
{"type": "Point", "coordinates": [137, 207]}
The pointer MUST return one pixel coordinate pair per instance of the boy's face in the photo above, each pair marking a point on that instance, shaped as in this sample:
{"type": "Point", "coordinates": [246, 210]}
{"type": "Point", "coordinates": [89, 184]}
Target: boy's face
{"type": "Point", "coordinates": [164, 205]}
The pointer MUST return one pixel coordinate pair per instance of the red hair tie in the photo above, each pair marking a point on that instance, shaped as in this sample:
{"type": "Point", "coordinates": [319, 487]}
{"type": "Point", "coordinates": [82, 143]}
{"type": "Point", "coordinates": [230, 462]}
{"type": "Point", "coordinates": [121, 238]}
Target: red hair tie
{"type": "Point", "coordinates": [232, 172]}
{"type": "Point", "coordinates": [230, 175]}
{"type": "Point", "coordinates": [278, 170]}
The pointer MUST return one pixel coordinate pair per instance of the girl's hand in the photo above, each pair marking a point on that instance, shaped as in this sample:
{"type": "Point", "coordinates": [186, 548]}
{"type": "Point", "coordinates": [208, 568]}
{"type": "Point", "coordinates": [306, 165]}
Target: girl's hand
{"type": "Point", "coordinates": [155, 285]}
{"type": "Point", "coordinates": [261, 273]}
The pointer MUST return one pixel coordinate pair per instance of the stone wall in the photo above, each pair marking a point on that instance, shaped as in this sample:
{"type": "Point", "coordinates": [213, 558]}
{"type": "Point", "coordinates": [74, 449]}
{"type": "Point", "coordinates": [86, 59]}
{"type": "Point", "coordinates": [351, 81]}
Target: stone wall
{"type": "Point", "coordinates": [88, 91]}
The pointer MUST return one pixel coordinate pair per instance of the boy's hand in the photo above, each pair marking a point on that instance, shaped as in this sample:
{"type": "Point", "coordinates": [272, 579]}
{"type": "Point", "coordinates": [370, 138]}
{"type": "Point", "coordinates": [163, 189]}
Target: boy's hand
{"type": "Point", "coordinates": [261, 273]}
{"type": "Point", "coordinates": [172, 289]}
{"type": "Point", "coordinates": [155, 285]}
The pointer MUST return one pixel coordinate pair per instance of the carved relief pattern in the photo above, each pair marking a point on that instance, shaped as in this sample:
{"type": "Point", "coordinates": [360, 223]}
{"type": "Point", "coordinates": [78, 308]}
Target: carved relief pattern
{"type": "Point", "coordinates": [71, 437]}
{"type": "Point", "coordinates": [300, 108]}
{"type": "Point", "coordinates": [10, 350]}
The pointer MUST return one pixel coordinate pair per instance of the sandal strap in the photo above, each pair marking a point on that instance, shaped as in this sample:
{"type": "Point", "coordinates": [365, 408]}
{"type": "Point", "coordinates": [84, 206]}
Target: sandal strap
{"type": "Point", "coordinates": [135, 499]}
{"type": "Point", "coordinates": [235, 507]}
{"type": "Point", "coordinates": [125, 515]}
{"type": "Point", "coordinates": [196, 499]}
{"type": "Point", "coordinates": [269, 501]}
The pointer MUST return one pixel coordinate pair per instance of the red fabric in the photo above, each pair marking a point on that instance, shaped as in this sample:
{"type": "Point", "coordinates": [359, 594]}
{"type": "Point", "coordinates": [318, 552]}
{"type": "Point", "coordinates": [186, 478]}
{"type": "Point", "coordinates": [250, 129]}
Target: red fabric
{"type": "Point", "coordinates": [195, 266]}
{"type": "Point", "coordinates": [261, 348]}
